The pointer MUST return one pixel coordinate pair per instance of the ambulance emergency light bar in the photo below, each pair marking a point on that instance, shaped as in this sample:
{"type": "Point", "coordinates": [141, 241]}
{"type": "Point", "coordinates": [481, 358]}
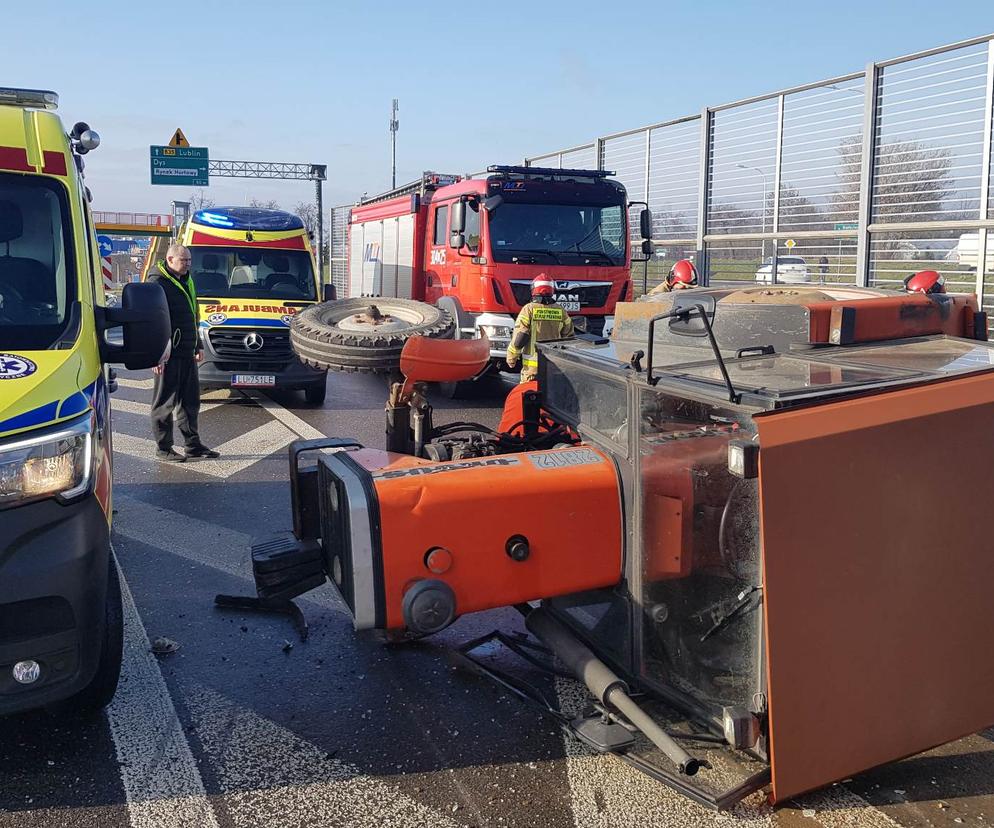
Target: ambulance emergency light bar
{"type": "Point", "coordinates": [29, 97]}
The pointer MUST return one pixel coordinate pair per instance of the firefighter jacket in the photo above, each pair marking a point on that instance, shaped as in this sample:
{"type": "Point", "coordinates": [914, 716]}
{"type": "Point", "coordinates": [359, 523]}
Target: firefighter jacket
{"type": "Point", "coordinates": [540, 323]}
{"type": "Point", "coordinates": [662, 287]}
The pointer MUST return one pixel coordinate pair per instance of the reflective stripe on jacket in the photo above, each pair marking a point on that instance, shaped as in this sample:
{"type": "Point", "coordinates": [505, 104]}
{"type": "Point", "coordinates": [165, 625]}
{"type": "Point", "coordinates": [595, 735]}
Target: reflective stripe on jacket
{"type": "Point", "coordinates": [542, 323]}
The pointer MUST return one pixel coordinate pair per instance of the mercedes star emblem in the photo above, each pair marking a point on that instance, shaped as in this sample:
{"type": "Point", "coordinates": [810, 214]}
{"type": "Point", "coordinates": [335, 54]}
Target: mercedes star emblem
{"type": "Point", "coordinates": [252, 341]}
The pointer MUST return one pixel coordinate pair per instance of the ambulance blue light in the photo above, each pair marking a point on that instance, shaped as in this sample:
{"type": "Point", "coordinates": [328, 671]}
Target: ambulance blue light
{"type": "Point", "coordinates": [213, 218]}
{"type": "Point", "coordinates": [248, 218]}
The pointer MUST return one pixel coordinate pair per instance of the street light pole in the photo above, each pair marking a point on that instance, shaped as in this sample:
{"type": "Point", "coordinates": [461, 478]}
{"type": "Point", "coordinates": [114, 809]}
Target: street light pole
{"type": "Point", "coordinates": [765, 196]}
{"type": "Point", "coordinates": [394, 125]}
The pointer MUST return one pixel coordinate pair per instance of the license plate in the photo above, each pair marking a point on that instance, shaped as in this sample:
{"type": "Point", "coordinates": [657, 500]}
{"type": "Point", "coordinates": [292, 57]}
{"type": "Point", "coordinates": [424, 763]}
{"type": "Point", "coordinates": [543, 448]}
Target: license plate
{"type": "Point", "coordinates": [570, 306]}
{"type": "Point", "coordinates": [252, 380]}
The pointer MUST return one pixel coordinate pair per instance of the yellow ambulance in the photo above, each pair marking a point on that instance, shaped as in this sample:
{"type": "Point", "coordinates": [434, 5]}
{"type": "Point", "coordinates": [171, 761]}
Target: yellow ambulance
{"type": "Point", "coordinates": [253, 269]}
{"type": "Point", "coordinates": [60, 599]}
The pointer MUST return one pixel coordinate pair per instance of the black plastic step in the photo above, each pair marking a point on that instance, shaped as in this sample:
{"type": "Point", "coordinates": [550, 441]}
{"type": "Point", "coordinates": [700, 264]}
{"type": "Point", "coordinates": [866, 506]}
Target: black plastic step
{"type": "Point", "coordinates": [284, 551]}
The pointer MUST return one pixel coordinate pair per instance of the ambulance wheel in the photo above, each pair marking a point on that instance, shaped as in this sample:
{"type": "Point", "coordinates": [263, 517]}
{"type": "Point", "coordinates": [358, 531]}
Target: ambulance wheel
{"type": "Point", "coordinates": [365, 334]}
{"type": "Point", "coordinates": [315, 394]}
{"type": "Point", "coordinates": [99, 692]}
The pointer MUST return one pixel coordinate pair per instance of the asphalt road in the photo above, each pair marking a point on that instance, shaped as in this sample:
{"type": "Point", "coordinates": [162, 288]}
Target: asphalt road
{"type": "Point", "coordinates": [239, 728]}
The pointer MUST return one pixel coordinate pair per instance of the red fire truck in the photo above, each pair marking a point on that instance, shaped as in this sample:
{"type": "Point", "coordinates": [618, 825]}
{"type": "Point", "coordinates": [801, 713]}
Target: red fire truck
{"type": "Point", "coordinates": [473, 246]}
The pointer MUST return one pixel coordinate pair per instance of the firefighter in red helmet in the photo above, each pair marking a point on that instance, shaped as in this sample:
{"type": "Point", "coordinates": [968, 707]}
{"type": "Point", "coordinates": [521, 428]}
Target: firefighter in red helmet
{"type": "Point", "coordinates": [682, 275]}
{"type": "Point", "coordinates": [541, 320]}
{"type": "Point", "coordinates": [925, 281]}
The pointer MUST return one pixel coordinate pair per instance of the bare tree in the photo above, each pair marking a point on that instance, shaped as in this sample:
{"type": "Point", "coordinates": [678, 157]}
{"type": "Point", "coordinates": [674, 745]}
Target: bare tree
{"type": "Point", "coordinates": [270, 204]}
{"type": "Point", "coordinates": [200, 201]}
{"type": "Point", "coordinates": [308, 213]}
{"type": "Point", "coordinates": [911, 183]}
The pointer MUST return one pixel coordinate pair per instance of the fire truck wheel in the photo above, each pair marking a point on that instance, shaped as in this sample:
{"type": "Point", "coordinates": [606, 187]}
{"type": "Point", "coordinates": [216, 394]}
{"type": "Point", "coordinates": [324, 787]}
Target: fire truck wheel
{"type": "Point", "coordinates": [364, 334]}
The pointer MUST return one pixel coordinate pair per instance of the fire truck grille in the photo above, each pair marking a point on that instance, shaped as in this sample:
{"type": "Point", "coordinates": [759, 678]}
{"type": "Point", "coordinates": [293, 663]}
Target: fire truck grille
{"type": "Point", "coordinates": [590, 295]}
{"type": "Point", "coordinates": [251, 349]}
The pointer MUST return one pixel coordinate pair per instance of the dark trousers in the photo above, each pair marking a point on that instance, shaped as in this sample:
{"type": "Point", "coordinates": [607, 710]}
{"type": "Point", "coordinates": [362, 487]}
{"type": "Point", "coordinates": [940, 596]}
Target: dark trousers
{"type": "Point", "coordinates": [176, 390]}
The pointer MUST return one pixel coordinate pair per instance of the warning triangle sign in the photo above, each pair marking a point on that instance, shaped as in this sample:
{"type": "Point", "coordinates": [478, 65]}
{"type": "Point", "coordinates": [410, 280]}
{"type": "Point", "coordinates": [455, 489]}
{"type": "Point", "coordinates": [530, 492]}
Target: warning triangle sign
{"type": "Point", "coordinates": [179, 139]}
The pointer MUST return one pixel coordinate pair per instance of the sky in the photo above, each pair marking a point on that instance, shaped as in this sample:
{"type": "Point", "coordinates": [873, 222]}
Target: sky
{"type": "Point", "coordinates": [478, 83]}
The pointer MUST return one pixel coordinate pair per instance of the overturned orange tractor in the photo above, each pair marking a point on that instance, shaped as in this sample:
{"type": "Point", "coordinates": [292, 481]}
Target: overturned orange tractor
{"type": "Point", "coordinates": [765, 514]}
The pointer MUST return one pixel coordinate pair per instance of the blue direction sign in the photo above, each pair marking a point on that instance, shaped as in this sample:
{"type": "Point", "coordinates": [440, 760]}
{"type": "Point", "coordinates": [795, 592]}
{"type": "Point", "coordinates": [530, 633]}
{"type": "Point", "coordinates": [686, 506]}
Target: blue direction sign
{"type": "Point", "coordinates": [179, 166]}
{"type": "Point", "coordinates": [106, 245]}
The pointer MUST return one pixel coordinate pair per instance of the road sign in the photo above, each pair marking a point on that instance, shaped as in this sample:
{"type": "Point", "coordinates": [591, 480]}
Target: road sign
{"type": "Point", "coordinates": [790, 244]}
{"type": "Point", "coordinates": [180, 166]}
{"type": "Point", "coordinates": [106, 245]}
{"type": "Point", "coordinates": [847, 225]}
{"type": "Point", "coordinates": [178, 139]}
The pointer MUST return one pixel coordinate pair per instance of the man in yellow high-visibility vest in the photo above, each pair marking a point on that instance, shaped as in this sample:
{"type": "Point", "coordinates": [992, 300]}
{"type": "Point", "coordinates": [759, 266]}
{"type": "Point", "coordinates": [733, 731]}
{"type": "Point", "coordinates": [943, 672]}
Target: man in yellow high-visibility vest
{"type": "Point", "coordinates": [541, 320]}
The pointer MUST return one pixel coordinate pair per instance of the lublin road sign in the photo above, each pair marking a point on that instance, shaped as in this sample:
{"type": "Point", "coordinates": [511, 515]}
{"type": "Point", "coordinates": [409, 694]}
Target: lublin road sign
{"type": "Point", "coordinates": [180, 166]}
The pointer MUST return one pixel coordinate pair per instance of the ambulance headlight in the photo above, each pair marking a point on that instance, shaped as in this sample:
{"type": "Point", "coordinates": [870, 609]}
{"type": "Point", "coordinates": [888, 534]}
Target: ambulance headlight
{"type": "Point", "coordinates": [55, 463]}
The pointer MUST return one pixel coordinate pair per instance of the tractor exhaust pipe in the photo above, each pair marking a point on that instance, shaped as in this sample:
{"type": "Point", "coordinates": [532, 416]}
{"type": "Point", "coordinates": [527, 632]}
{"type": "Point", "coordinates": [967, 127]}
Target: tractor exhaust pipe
{"type": "Point", "coordinates": [605, 685]}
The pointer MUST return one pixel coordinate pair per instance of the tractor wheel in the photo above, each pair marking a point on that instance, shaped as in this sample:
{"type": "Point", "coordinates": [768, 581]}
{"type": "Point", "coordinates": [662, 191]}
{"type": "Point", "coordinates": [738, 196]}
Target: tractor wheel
{"type": "Point", "coordinates": [364, 335]}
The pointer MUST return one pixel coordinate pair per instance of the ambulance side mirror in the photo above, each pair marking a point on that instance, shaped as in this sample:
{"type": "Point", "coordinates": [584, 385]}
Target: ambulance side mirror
{"type": "Point", "coordinates": [144, 319]}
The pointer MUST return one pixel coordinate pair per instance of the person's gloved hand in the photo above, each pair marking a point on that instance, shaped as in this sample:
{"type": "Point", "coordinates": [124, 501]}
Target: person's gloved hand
{"type": "Point", "coordinates": [511, 361]}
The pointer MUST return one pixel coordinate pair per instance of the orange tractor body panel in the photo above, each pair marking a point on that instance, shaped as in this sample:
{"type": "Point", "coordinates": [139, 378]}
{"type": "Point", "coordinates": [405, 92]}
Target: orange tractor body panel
{"type": "Point", "coordinates": [577, 546]}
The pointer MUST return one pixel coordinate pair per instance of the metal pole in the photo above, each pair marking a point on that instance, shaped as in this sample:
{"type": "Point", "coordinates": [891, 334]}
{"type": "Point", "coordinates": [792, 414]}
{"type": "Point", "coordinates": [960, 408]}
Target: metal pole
{"type": "Point", "coordinates": [318, 187]}
{"type": "Point", "coordinates": [870, 102]}
{"type": "Point", "coordinates": [702, 196]}
{"type": "Point", "coordinates": [984, 235]}
{"type": "Point", "coordinates": [394, 126]}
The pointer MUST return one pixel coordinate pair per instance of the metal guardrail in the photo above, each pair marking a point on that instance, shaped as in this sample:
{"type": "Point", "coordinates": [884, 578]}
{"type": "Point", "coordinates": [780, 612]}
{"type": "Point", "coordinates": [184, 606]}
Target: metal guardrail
{"type": "Point", "coordinates": [785, 174]}
{"type": "Point", "coordinates": [136, 219]}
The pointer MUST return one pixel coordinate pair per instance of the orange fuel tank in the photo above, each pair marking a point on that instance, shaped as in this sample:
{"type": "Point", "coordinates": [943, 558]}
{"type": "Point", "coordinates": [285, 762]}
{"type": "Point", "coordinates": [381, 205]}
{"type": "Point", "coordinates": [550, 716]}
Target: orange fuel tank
{"type": "Point", "coordinates": [467, 535]}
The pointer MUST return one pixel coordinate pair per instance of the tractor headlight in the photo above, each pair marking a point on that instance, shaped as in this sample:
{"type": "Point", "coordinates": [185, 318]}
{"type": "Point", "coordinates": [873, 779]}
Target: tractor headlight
{"type": "Point", "coordinates": [56, 463]}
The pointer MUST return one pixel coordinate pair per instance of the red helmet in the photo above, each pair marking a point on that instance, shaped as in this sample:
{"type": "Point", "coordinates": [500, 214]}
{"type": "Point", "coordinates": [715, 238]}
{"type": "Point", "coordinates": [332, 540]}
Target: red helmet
{"type": "Point", "coordinates": [542, 285]}
{"type": "Point", "coordinates": [682, 272]}
{"type": "Point", "coordinates": [925, 281]}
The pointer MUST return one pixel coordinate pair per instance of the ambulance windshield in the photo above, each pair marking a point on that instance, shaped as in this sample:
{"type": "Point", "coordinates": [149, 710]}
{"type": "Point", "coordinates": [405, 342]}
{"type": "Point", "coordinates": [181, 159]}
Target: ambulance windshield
{"type": "Point", "coordinates": [37, 284]}
{"type": "Point", "coordinates": [244, 273]}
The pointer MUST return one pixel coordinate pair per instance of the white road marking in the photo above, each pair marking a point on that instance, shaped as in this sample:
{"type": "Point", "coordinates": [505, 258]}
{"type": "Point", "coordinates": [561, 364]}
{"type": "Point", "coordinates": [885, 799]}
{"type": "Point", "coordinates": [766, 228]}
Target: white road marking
{"type": "Point", "coordinates": [207, 544]}
{"type": "Point", "coordinates": [145, 409]}
{"type": "Point", "coordinates": [297, 425]}
{"type": "Point", "coordinates": [125, 382]}
{"type": "Point", "coordinates": [158, 771]}
{"type": "Point", "coordinates": [236, 454]}
{"type": "Point", "coordinates": [272, 777]}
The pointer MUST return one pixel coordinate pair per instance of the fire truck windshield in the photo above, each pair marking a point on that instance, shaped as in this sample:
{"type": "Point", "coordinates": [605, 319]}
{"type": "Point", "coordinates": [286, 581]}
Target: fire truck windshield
{"type": "Point", "coordinates": [558, 233]}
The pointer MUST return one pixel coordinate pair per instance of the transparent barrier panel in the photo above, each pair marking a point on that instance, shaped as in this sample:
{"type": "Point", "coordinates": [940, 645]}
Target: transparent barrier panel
{"type": "Point", "coordinates": [701, 596]}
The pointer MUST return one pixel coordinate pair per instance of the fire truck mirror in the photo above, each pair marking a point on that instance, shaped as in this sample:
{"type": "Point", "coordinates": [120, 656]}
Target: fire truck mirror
{"type": "Point", "coordinates": [457, 219]}
{"type": "Point", "coordinates": [457, 241]}
{"type": "Point", "coordinates": [647, 247]}
{"type": "Point", "coordinates": [492, 203]}
{"type": "Point", "coordinates": [645, 226]}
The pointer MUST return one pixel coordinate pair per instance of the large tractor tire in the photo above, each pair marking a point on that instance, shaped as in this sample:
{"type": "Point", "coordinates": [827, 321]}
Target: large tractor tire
{"type": "Point", "coordinates": [364, 335]}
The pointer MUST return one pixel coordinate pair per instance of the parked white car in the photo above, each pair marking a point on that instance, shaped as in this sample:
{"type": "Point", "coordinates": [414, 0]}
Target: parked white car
{"type": "Point", "coordinates": [791, 270]}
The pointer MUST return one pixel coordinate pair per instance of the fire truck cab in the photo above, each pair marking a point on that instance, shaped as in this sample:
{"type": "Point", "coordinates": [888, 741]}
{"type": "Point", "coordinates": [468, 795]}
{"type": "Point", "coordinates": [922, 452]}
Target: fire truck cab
{"type": "Point", "coordinates": [473, 246]}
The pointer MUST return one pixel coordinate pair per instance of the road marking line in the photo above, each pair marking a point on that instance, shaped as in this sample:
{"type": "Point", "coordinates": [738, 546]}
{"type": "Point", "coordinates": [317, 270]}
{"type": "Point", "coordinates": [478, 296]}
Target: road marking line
{"type": "Point", "coordinates": [160, 777]}
{"type": "Point", "coordinates": [236, 454]}
{"type": "Point", "coordinates": [124, 382]}
{"type": "Point", "coordinates": [298, 426]}
{"type": "Point", "coordinates": [145, 409]}
{"type": "Point", "coordinates": [203, 543]}
{"type": "Point", "coordinates": [270, 776]}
